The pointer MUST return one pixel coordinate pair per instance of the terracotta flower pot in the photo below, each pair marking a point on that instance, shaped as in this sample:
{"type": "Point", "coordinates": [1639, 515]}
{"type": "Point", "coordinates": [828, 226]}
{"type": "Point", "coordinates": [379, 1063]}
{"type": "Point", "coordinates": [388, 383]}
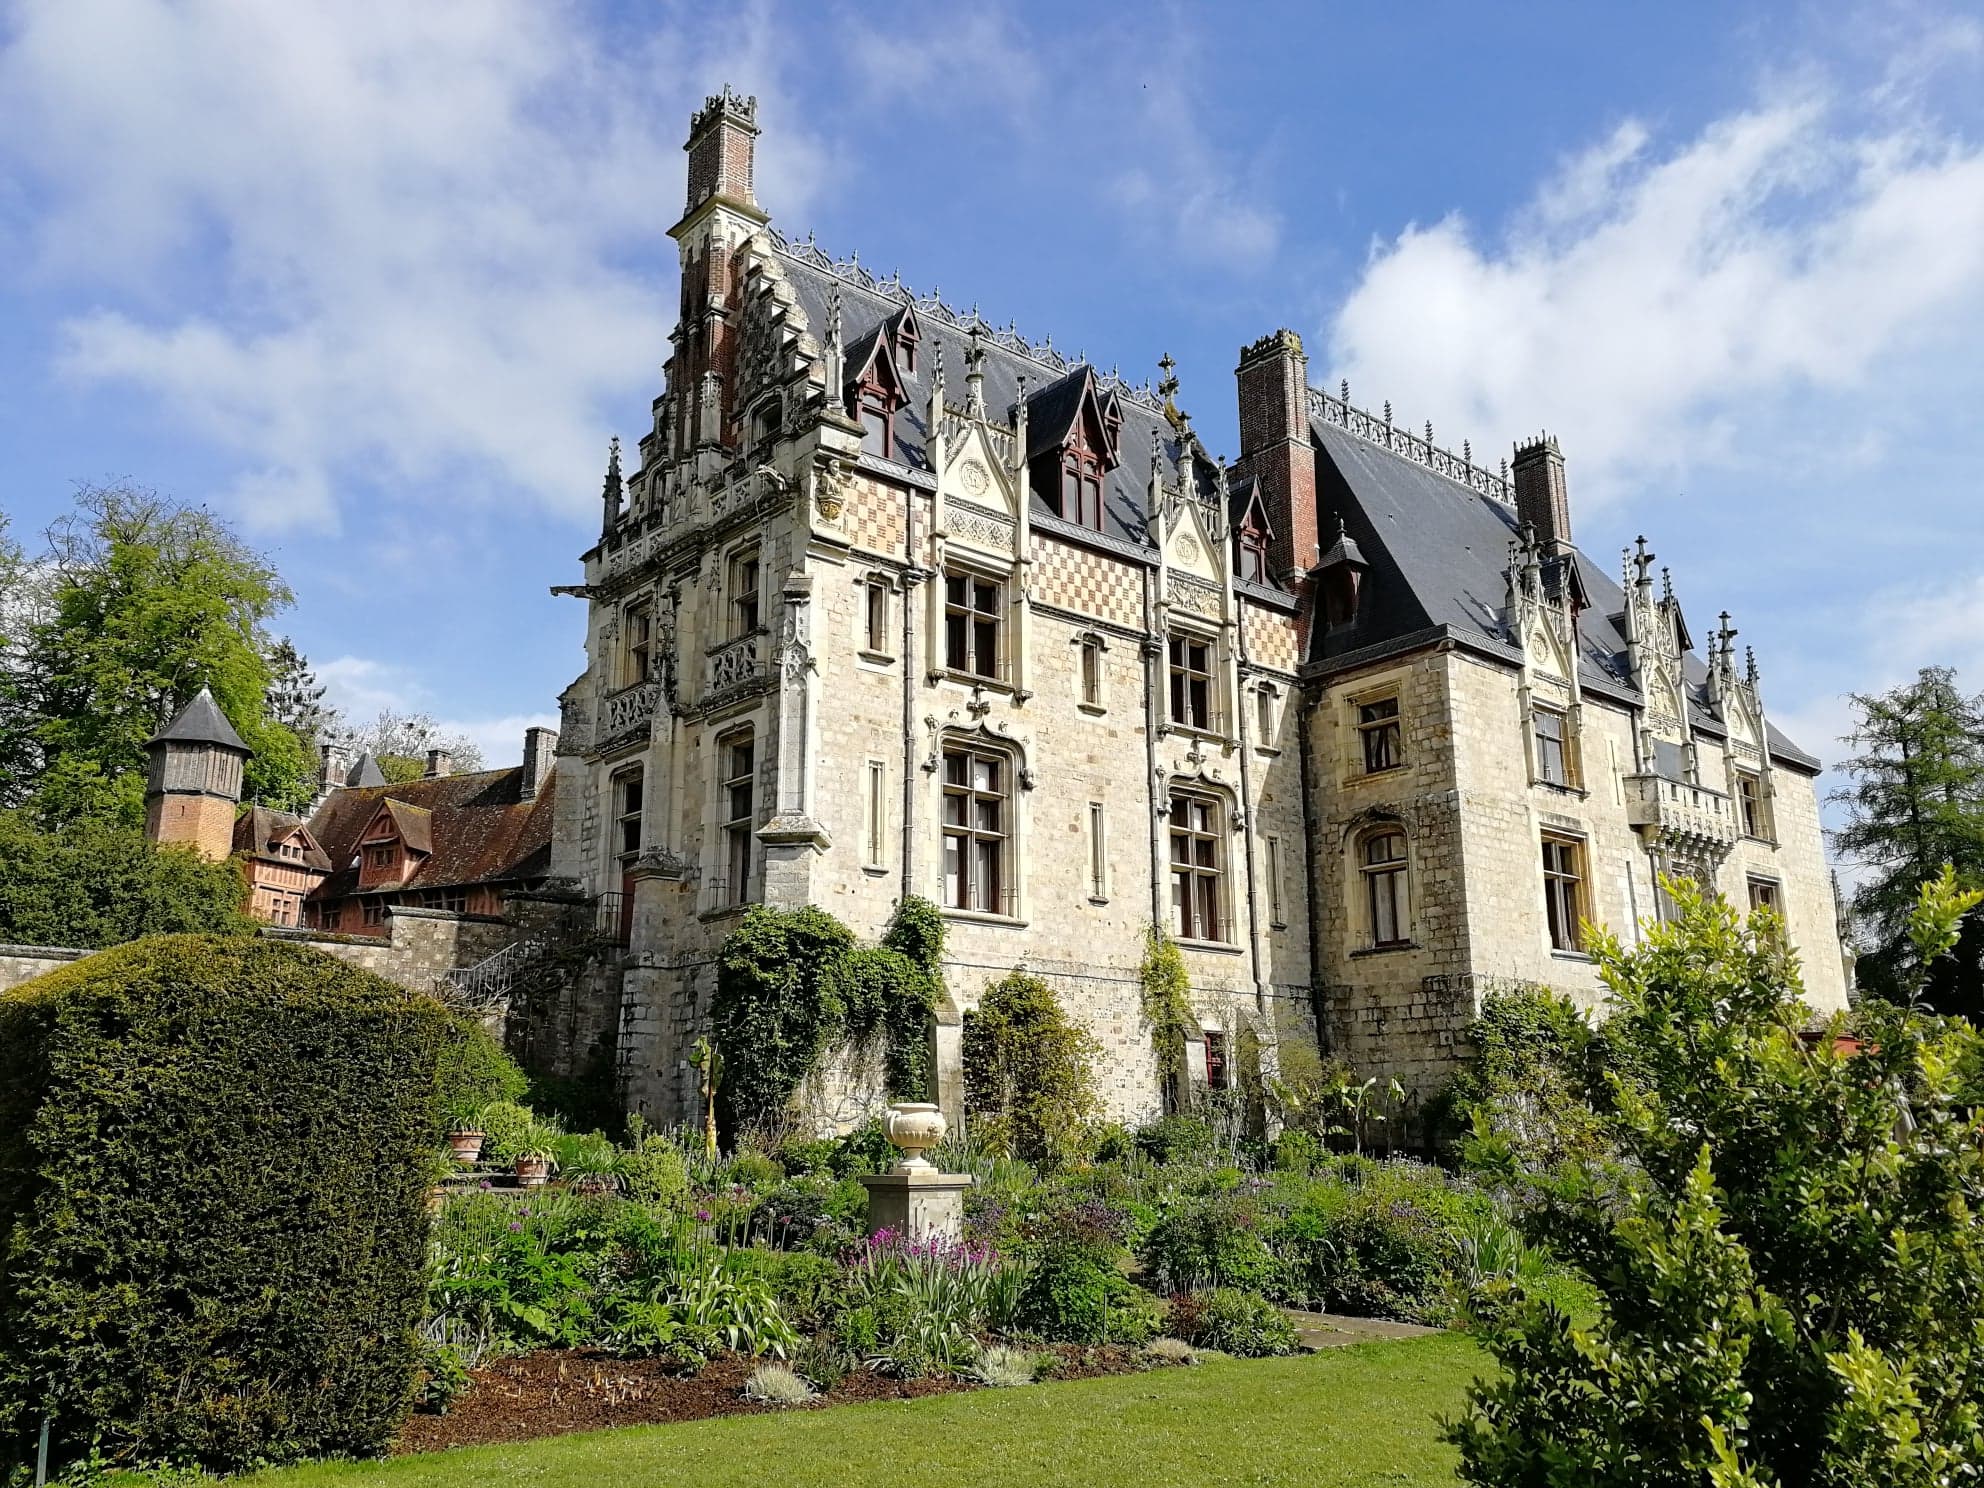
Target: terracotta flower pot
{"type": "Point", "coordinates": [465, 1145]}
{"type": "Point", "coordinates": [533, 1171]}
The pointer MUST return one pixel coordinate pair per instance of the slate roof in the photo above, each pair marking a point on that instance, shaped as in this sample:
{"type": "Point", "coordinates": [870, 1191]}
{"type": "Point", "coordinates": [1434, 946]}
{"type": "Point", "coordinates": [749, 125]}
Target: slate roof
{"type": "Point", "coordinates": [474, 829]}
{"type": "Point", "coordinates": [259, 830]}
{"type": "Point", "coordinates": [1438, 553]}
{"type": "Point", "coordinates": [1052, 393]}
{"type": "Point", "coordinates": [200, 722]}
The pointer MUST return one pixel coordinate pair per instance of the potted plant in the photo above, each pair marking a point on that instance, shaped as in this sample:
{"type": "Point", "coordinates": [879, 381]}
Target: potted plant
{"type": "Point", "coordinates": [590, 1163]}
{"type": "Point", "coordinates": [537, 1157]}
{"type": "Point", "coordinates": [440, 1168]}
{"type": "Point", "coordinates": [465, 1137]}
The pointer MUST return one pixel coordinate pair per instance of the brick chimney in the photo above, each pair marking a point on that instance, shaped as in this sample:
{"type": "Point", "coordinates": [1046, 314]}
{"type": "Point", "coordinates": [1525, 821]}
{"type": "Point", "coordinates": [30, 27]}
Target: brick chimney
{"type": "Point", "coordinates": [1275, 447]}
{"type": "Point", "coordinates": [439, 763]}
{"type": "Point", "coordinates": [540, 754]}
{"type": "Point", "coordinates": [1543, 500]}
{"type": "Point", "coordinates": [722, 149]}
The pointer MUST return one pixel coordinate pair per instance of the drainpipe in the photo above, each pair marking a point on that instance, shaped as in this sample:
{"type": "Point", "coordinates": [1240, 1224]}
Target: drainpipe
{"type": "Point", "coordinates": [1306, 751]}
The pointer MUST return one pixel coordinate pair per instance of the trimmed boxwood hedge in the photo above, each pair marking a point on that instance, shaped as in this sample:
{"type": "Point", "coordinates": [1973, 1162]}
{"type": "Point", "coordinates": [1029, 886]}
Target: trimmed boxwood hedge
{"type": "Point", "coordinates": [214, 1158]}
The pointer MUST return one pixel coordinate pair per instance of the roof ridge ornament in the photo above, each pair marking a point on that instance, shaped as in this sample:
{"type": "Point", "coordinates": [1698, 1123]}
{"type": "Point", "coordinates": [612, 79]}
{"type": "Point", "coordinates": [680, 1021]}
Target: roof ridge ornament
{"type": "Point", "coordinates": [1383, 430]}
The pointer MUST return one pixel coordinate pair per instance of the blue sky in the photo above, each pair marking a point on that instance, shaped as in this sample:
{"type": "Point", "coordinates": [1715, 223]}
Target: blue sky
{"type": "Point", "coordinates": [378, 281]}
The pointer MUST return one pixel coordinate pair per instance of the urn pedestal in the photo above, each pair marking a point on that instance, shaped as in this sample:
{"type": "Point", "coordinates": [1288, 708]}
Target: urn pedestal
{"type": "Point", "coordinates": [913, 1199]}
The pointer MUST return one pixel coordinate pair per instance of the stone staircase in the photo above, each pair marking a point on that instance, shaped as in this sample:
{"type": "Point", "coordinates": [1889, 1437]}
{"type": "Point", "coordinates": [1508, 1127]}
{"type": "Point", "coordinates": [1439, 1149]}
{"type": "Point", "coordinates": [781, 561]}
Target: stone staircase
{"type": "Point", "coordinates": [552, 951]}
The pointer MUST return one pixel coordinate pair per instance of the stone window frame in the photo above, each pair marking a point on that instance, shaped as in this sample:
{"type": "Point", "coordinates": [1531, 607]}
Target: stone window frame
{"type": "Point", "coordinates": [1096, 840]}
{"type": "Point", "coordinates": [1765, 892]}
{"type": "Point", "coordinates": [877, 606]}
{"type": "Point", "coordinates": [637, 641]}
{"type": "Point", "coordinates": [737, 833]}
{"type": "Point", "coordinates": [874, 815]}
{"type": "Point", "coordinates": [1091, 661]}
{"type": "Point", "coordinates": [1273, 867]}
{"type": "Point", "coordinates": [625, 851]}
{"type": "Point", "coordinates": [1268, 705]}
{"type": "Point", "coordinates": [1188, 633]}
{"type": "Point", "coordinates": [1220, 871]}
{"type": "Point", "coordinates": [745, 559]}
{"type": "Point", "coordinates": [1012, 829]}
{"type": "Point", "coordinates": [1763, 826]}
{"type": "Point", "coordinates": [1354, 757]}
{"type": "Point", "coordinates": [1569, 754]}
{"type": "Point", "coordinates": [1004, 667]}
{"type": "Point", "coordinates": [1399, 876]}
{"type": "Point", "coordinates": [1566, 936]}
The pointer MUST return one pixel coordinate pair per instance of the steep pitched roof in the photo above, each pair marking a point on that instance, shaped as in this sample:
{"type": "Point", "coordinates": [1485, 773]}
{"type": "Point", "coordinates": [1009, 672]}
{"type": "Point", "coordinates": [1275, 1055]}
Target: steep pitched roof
{"type": "Point", "coordinates": [866, 310]}
{"type": "Point", "coordinates": [365, 771]}
{"type": "Point", "coordinates": [477, 829]}
{"type": "Point", "coordinates": [1438, 552]}
{"type": "Point", "coordinates": [200, 722]}
{"type": "Point", "coordinates": [261, 830]}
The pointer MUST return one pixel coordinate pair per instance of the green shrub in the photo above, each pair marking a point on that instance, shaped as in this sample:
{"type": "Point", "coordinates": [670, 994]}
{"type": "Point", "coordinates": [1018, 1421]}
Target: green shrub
{"type": "Point", "coordinates": [94, 883]}
{"type": "Point", "coordinates": [653, 1170]}
{"type": "Point", "coordinates": [1521, 1097]}
{"type": "Point", "coordinates": [1072, 1296]}
{"type": "Point", "coordinates": [810, 1289]}
{"type": "Point", "coordinates": [213, 1172]}
{"type": "Point", "coordinates": [1029, 1074]}
{"type": "Point", "coordinates": [474, 1073]}
{"type": "Point", "coordinates": [1234, 1322]}
{"type": "Point", "coordinates": [1178, 1139]}
{"type": "Point", "coordinates": [1209, 1242]}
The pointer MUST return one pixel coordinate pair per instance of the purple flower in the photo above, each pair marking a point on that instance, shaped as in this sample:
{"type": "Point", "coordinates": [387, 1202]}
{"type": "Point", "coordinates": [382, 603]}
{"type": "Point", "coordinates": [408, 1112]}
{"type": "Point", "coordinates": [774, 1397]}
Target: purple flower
{"type": "Point", "coordinates": [703, 1216]}
{"type": "Point", "coordinates": [516, 1228]}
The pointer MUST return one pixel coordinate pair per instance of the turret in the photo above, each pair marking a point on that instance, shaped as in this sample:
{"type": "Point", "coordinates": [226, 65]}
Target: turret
{"type": "Point", "coordinates": [193, 783]}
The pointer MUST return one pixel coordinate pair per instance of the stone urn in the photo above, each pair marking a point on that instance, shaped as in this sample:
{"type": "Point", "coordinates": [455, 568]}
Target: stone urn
{"type": "Point", "coordinates": [915, 1127]}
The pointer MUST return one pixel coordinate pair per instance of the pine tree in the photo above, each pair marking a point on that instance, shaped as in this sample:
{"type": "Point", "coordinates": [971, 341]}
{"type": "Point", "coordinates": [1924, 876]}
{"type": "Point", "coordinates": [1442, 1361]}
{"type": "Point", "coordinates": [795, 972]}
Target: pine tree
{"type": "Point", "coordinates": [1916, 803]}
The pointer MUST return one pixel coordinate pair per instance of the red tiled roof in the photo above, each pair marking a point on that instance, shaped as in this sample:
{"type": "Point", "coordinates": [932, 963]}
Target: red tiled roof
{"type": "Point", "coordinates": [473, 829]}
{"type": "Point", "coordinates": [260, 831]}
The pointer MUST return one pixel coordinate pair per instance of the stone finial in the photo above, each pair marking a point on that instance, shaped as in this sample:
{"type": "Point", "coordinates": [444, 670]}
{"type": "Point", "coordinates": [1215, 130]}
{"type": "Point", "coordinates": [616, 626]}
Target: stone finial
{"type": "Point", "coordinates": [1344, 387]}
{"type": "Point", "coordinates": [614, 491]}
{"type": "Point", "coordinates": [974, 373]}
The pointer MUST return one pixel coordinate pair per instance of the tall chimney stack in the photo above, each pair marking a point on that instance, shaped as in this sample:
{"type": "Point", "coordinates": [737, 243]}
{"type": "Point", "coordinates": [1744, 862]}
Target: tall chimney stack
{"type": "Point", "coordinates": [722, 150]}
{"type": "Point", "coordinates": [1543, 499]}
{"type": "Point", "coordinates": [439, 763]}
{"type": "Point", "coordinates": [1275, 447]}
{"type": "Point", "coordinates": [540, 755]}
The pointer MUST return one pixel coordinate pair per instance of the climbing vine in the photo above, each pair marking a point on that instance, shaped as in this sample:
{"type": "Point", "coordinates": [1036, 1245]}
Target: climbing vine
{"type": "Point", "coordinates": [1029, 1071]}
{"type": "Point", "coordinates": [794, 986]}
{"type": "Point", "coordinates": [1166, 1003]}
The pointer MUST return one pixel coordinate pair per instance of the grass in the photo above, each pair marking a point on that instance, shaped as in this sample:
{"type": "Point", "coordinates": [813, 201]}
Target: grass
{"type": "Point", "coordinates": [1360, 1415]}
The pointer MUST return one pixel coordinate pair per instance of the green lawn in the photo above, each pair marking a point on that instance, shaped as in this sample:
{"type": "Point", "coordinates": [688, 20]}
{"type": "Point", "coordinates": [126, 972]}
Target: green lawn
{"type": "Point", "coordinates": [1345, 1416]}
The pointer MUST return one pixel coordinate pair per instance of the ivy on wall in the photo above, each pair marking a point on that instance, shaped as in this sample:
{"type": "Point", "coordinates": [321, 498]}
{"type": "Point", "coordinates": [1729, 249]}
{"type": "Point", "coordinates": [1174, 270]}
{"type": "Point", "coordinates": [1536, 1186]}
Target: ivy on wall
{"type": "Point", "coordinates": [1165, 1000]}
{"type": "Point", "coordinates": [1029, 1071]}
{"type": "Point", "coordinates": [794, 987]}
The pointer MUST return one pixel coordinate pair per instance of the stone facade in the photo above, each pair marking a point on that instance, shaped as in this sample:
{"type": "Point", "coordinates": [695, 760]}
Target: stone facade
{"type": "Point", "coordinates": [896, 603]}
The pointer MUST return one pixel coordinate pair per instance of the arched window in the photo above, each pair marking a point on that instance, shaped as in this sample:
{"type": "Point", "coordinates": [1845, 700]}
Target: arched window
{"type": "Point", "coordinates": [1381, 860]}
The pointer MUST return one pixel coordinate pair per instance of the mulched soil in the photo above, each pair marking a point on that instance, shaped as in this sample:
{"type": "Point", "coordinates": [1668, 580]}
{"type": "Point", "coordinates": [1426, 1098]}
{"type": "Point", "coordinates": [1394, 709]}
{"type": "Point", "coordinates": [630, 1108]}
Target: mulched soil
{"type": "Point", "coordinates": [557, 1391]}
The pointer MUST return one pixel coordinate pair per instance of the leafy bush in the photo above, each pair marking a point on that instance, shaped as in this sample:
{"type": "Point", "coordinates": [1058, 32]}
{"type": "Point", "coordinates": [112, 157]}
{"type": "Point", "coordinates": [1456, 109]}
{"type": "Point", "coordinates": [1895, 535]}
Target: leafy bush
{"type": "Point", "coordinates": [1072, 1296]}
{"type": "Point", "coordinates": [1179, 1138]}
{"type": "Point", "coordinates": [507, 1129]}
{"type": "Point", "coordinates": [652, 1169]}
{"type": "Point", "coordinates": [1170, 1351]}
{"type": "Point", "coordinates": [1028, 1071]}
{"type": "Point", "coordinates": [1002, 1366]}
{"type": "Point", "coordinates": [213, 1171]}
{"type": "Point", "coordinates": [1787, 1259]}
{"type": "Point", "coordinates": [793, 984]}
{"type": "Point", "coordinates": [1234, 1322]}
{"type": "Point", "coordinates": [1164, 991]}
{"type": "Point", "coordinates": [474, 1074]}
{"type": "Point", "coordinates": [94, 884]}
{"type": "Point", "coordinates": [1209, 1242]}
{"type": "Point", "coordinates": [1524, 1090]}
{"type": "Point", "coordinates": [810, 1289]}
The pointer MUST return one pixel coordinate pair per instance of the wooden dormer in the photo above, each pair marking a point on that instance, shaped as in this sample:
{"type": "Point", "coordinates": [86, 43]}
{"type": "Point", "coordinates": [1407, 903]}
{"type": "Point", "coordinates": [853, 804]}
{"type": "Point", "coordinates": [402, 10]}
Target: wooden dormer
{"type": "Point", "coordinates": [874, 390]}
{"type": "Point", "coordinates": [1253, 534]}
{"type": "Point", "coordinates": [393, 845]}
{"type": "Point", "coordinates": [1073, 437]}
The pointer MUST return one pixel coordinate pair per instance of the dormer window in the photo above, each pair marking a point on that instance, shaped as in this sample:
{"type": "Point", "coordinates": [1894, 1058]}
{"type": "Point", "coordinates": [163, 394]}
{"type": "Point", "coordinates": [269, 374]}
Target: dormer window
{"type": "Point", "coordinates": [1073, 449]}
{"type": "Point", "coordinates": [1081, 484]}
{"type": "Point", "coordinates": [909, 341]}
{"type": "Point", "coordinates": [1253, 554]}
{"type": "Point", "coordinates": [877, 421]}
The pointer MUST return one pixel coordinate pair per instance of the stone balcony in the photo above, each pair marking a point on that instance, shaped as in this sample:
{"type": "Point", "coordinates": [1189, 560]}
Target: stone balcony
{"type": "Point", "coordinates": [736, 665]}
{"type": "Point", "coordinates": [627, 711]}
{"type": "Point", "coordinates": [1676, 811]}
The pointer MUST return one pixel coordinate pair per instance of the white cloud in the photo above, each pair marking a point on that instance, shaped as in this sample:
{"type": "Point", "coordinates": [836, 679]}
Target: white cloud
{"type": "Point", "coordinates": [1645, 303]}
{"type": "Point", "coordinates": [413, 232]}
{"type": "Point", "coordinates": [361, 687]}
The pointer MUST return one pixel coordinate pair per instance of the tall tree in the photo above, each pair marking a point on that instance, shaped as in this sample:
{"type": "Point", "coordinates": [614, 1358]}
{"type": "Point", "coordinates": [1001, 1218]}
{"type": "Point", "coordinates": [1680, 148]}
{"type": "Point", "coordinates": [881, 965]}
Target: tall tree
{"type": "Point", "coordinates": [20, 754]}
{"type": "Point", "coordinates": [1916, 802]}
{"type": "Point", "coordinates": [145, 602]}
{"type": "Point", "coordinates": [400, 741]}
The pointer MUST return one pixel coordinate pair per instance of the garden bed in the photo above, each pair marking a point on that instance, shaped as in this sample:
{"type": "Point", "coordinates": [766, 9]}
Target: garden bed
{"type": "Point", "coordinates": [556, 1391]}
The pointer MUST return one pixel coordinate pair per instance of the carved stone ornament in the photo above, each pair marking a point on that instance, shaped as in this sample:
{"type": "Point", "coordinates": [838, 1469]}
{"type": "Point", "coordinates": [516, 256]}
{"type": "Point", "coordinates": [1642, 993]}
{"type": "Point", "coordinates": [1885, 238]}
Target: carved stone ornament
{"type": "Point", "coordinates": [830, 490]}
{"type": "Point", "coordinates": [973, 477]}
{"type": "Point", "coordinates": [1188, 548]}
{"type": "Point", "coordinates": [988, 531]}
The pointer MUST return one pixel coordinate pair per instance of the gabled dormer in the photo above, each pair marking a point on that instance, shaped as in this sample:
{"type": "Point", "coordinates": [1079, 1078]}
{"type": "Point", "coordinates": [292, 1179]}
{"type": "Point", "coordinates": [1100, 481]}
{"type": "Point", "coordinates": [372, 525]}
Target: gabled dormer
{"type": "Point", "coordinates": [874, 390]}
{"type": "Point", "coordinates": [394, 844]}
{"type": "Point", "coordinates": [1073, 442]}
{"type": "Point", "coordinates": [1253, 533]}
{"type": "Point", "coordinates": [906, 336]}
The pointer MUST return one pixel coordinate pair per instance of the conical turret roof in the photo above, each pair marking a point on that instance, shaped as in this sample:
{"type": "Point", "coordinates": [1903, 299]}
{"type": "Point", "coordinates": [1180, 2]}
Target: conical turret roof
{"type": "Point", "coordinates": [200, 722]}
